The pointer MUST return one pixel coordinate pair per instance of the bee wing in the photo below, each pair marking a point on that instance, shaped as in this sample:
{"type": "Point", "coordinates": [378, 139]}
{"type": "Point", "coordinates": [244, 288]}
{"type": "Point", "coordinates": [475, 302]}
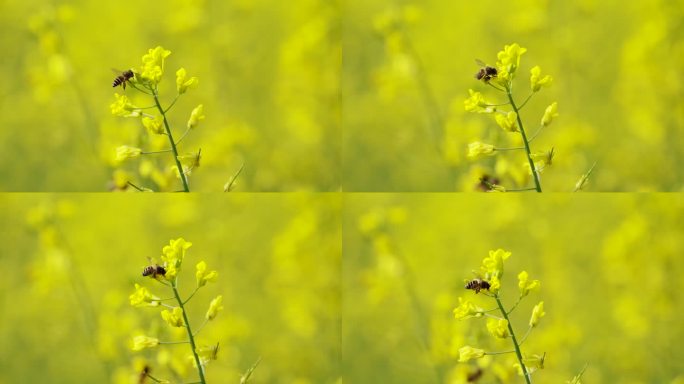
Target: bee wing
{"type": "Point", "coordinates": [117, 71]}
{"type": "Point", "coordinates": [152, 260]}
{"type": "Point", "coordinates": [480, 63]}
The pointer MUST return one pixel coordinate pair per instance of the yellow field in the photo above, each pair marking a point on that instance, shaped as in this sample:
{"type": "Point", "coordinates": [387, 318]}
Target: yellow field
{"type": "Point", "coordinates": [268, 79]}
{"type": "Point", "coordinates": [71, 262]}
{"type": "Point", "coordinates": [408, 67]}
{"type": "Point", "coordinates": [345, 131]}
{"type": "Point", "coordinates": [609, 268]}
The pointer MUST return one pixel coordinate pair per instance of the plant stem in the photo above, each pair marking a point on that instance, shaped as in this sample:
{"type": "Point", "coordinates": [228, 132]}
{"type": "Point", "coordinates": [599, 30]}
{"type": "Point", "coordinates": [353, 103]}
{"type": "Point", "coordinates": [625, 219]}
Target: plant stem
{"type": "Point", "coordinates": [525, 141]}
{"type": "Point", "coordinates": [515, 341]}
{"type": "Point", "coordinates": [190, 336]}
{"type": "Point", "coordinates": [173, 143]}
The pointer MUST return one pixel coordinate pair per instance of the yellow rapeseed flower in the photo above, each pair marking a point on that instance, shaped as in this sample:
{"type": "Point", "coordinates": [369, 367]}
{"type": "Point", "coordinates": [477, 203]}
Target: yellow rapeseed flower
{"type": "Point", "coordinates": [143, 298]}
{"type": "Point", "coordinates": [509, 122]}
{"type": "Point", "coordinates": [142, 342]}
{"type": "Point", "coordinates": [549, 114]}
{"type": "Point", "coordinates": [537, 313]}
{"type": "Point", "coordinates": [477, 149]}
{"type": "Point", "coordinates": [154, 124]}
{"type": "Point", "coordinates": [536, 81]}
{"type": "Point", "coordinates": [196, 115]}
{"type": "Point", "coordinates": [498, 328]}
{"type": "Point", "coordinates": [492, 265]}
{"type": "Point", "coordinates": [182, 83]}
{"type": "Point", "coordinates": [153, 64]}
{"type": "Point", "coordinates": [468, 353]}
{"type": "Point", "coordinates": [525, 285]}
{"type": "Point", "coordinates": [127, 152]}
{"type": "Point", "coordinates": [203, 276]}
{"type": "Point", "coordinates": [214, 307]}
{"type": "Point", "coordinates": [476, 103]}
{"type": "Point", "coordinates": [466, 309]}
{"type": "Point", "coordinates": [173, 318]}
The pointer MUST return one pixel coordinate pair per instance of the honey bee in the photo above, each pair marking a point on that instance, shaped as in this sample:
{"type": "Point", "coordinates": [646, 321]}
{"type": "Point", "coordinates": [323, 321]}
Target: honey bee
{"type": "Point", "coordinates": [485, 73]}
{"type": "Point", "coordinates": [475, 375]}
{"type": "Point", "coordinates": [477, 285]}
{"type": "Point", "coordinates": [154, 271]}
{"type": "Point", "coordinates": [143, 374]}
{"type": "Point", "coordinates": [123, 78]}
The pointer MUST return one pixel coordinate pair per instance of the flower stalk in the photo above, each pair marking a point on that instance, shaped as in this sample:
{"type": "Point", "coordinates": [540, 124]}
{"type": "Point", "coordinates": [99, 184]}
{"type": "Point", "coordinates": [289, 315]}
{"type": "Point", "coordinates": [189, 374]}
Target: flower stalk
{"type": "Point", "coordinates": [191, 338]}
{"type": "Point", "coordinates": [175, 317]}
{"type": "Point", "coordinates": [528, 152]}
{"type": "Point", "coordinates": [171, 141]}
{"type": "Point", "coordinates": [145, 80]}
{"type": "Point", "coordinates": [515, 341]}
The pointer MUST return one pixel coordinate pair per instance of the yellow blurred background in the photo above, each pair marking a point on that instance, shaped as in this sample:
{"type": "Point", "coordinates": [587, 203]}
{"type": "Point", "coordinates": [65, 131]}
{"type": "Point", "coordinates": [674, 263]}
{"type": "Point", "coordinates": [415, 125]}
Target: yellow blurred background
{"type": "Point", "coordinates": [609, 265]}
{"type": "Point", "coordinates": [70, 262]}
{"type": "Point", "coordinates": [268, 79]}
{"type": "Point", "coordinates": [408, 66]}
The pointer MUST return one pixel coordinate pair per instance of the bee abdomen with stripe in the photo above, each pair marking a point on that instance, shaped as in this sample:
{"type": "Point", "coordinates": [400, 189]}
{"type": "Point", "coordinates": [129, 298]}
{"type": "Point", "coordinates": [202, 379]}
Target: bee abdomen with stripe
{"type": "Point", "coordinates": [477, 285]}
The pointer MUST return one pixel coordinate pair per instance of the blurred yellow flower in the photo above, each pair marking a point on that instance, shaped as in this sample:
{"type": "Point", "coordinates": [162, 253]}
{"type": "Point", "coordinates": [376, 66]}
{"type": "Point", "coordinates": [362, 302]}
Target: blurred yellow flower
{"type": "Point", "coordinates": [126, 152]}
{"type": "Point", "coordinates": [550, 112]}
{"type": "Point", "coordinates": [153, 64]}
{"type": "Point", "coordinates": [498, 328]}
{"type": "Point", "coordinates": [173, 318]}
{"type": "Point", "coordinates": [176, 249]}
{"type": "Point", "coordinates": [203, 276]}
{"type": "Point", "coordinates": [509, 61]}
{"type": "Point", "coordinates": [467, 353]}
{"type": "Point", "coordinates": [182, 84]}
{"type": "Point", "coordinates": [477, 149]}
{"type": "Point", "coordinates": [153, 124]}
{"type": "Point", "coordinates": [214, 307]}
{"type": "Point", "coordinates": [537, 313]}
{"type": "Point", "coordinates": [509, 122]}
{"type": "Point", "coordinates": [494, 284]}
{"type": "Point", "coordinates": [206, 354]}
{"type": "Point", "coordinates": [142, 297]}
{"type": "Point", "coordinates": [476, 103]}
{"type": "Point", "coordinates": [532, 363]}
{"type": "Point", "coordinates": [196, 115]}
{"type": "Point", "coordinates": [525, 285]}
{"type": "Point", "coordinates": [123, 107]}
{"type": "Point", "coordinates": [142, 342]}
{"type": "Point", "coordinates": [536, 81]}
{"type": "Point", "coordinates": [189, 160]}
{"type": "Point", "coordinates": [173, 255]}
{"type": "Point", "coordinates": [492, 265]}
{"type": "Point", "coordinates": [466, 309]}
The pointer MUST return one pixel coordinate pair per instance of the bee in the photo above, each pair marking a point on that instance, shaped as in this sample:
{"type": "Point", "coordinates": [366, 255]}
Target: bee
{"type": "Point", "coordinates": [123, 78]}
{"type": "Point", "coordinates": [143, 374]}
{"type": "Point", "coordinates": [485, 73]}
{"type": "Point", "coordinates": [154, 270]}
{"type": "Point", "coordinates": [475, 375]}
{"type": "Point", "coordinates": [477, 285]}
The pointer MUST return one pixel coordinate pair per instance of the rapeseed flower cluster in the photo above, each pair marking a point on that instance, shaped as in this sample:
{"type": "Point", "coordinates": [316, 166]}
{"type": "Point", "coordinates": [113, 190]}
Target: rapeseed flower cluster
{"type": "Point", "coordinates": [489, 283]}
{"type": "Point", "coordinates": [146, 80]}
{"type": "Point", "coordinates": [176, 316]}
{"type": "Point", "coordinates": [500, 77]}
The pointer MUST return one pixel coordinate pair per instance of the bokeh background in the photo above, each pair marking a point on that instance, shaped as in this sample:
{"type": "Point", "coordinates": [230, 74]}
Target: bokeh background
{"type": "Point", "coordinates": [71, 261]}
{"type": "Point", "coordinates": [408, 66]}
{"type": "Point", "coordinates": [268, 79]}
{"type": "Point", "coordinates": [610, 272]}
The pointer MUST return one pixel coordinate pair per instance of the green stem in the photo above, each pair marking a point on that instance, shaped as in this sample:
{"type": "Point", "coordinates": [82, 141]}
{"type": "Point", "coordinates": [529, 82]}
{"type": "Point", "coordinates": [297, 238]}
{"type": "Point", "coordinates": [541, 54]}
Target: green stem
{"type": "Point", "coordinates": [173, 143]}
{"type": "Point", "coordinates": [190, 336]}
{"type": "Point", "coordinates": [528, 152]}
{"type": "Point", "coordinates": [515, 341]}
